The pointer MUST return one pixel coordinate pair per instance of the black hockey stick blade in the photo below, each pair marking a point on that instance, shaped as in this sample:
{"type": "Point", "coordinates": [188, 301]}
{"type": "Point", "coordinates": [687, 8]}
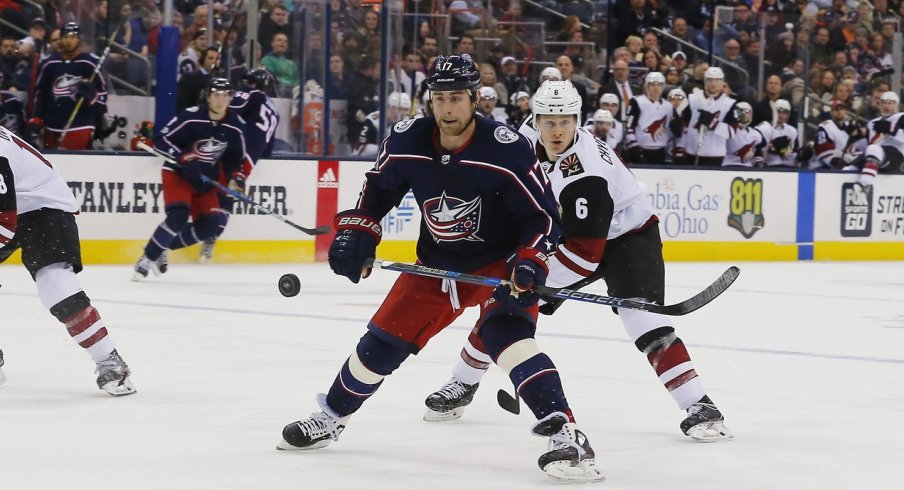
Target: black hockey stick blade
{"type": "Point", "coordinates": [507, 402]}
{"type": "Point", "coordinates": [551, 294]}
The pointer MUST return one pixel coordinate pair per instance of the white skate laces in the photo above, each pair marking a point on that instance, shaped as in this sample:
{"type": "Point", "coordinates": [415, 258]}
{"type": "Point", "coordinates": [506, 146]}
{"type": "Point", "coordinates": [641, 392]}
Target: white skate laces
{"type": "Point", "coordinates": [314, 432]}
{"type": "Point", "coordinates": [449, 402]}
{"type": "Point", "coordinates": [569, 457]}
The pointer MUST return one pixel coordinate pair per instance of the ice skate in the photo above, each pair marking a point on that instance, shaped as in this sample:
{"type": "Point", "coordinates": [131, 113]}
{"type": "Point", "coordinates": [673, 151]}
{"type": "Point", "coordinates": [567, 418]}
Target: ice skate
{"type": "Point", "coordinates": [314, 432]}
{"type": "Point", "coordinates": [705, 422]}
{"type": "Point", "coordinates": [161, 265]}
{"type": "Point", "coordinates": [2, 376]}
{"type": "Point", "coordinates": [207, 250]}
{"type": "Point", "coordinates": [570, 457]}
{"type": "Point", "coordinates": [449, 402]}
{"type": "Point", "coordinates": [113, 376]}
{"type": "Point", "coordinates": [141, 269]}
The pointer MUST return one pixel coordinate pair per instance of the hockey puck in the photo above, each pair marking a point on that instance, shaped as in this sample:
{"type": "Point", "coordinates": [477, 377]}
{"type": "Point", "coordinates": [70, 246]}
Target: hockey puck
{"type": "Point", "coordinates": [289, 285]}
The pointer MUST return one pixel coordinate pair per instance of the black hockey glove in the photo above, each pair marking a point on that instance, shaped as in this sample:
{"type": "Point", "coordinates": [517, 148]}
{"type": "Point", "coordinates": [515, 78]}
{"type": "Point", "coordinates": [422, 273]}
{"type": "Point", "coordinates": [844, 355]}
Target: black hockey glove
{"type": "Point", "coordinates": [237, 182]}
{"type": "Point", "coordinates": [882, 126]}
{"type": "Point", "coordinates": [529, 270]}
{"type": "Point", "coordinates": [193, 172]}
{"type": "Point", "coordinates": [632, 152]}
{"type": "Point", "coordinates": [357, 236]}
{"type": "Point", "coordinates": [676, 126]}
{"type": "Point", "coordinates": [707, 119]}
{"type": "Point", "coordinates": [780, 144]}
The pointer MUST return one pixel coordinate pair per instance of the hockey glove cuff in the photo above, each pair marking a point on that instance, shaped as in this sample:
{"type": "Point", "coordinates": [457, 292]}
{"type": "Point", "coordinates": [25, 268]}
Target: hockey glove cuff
{"type": "Point", "coordinates": [357, 236]}
{"type": "Point", "coordinates": [237, 182]}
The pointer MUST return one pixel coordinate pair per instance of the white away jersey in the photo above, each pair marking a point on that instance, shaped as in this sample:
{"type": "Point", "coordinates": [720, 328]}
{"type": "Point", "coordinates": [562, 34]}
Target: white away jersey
{"type": "Point", "coordinates": [781, 144]}
{"type": "Point", "coordinates": [894, 136]}
{"type": "Point", "coordinates": [713, 142]}
{"type": "Point", "coordinates": [648, 122]}
{"type": "Point", "coordinates": [37, 184]}
{"type": "Point", "coordinates": [599, 199]}
{"type": "Point", "coordinates": [831, 142]}
{"type": "Point", "coordinates": [743, 147]}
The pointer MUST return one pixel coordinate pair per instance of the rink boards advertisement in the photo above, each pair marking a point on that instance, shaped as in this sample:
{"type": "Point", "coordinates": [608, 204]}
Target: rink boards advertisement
{"type": "Point", "coordinates": [717, 215]}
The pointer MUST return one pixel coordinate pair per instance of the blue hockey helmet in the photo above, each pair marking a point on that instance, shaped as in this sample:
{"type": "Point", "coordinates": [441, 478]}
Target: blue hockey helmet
{"type": "Point", "coordinates": [456, 72]}
{"type": "Point", "coordinates": [218, 85]}
{"type": "Point", "coordinates": [259, 78]}
{"type": "Point", "coordinates": [70, 28]}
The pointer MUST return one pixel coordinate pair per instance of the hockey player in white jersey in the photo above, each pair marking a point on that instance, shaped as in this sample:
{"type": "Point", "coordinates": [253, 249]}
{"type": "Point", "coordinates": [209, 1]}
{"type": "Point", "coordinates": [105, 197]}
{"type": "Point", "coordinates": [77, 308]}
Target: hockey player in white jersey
{"type": "Point", "coordinates": [832, 141]}
{"type": "Point", "coordinates": [708, 116]}
{"type": "Point", "coordinates": [604, 128]}
{"type": "Point", "coordinates": [885, 153]}
{"type": "Point", "coordinates": [745, 144]}
{"type": "Point", "coordinates": [609, 232]}
{"type": "Point", "coordinates": [397, 108]}
{"type": "Point", "coordinates": [37, 215]}
{"type": "Point", "coordinates": [486, 105]}
{"type": "Point", "coordinates": [678, 99]}
{"type": "Point", "coordinates": [647, 125]}
{"type": "Point", "coordinates": [782, 147]}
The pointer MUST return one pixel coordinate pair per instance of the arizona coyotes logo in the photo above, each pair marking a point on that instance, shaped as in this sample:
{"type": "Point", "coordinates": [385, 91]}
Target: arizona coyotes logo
{"type": "Point", "coordinates": [656, 128]}
{"type": "Point", "coordinates": [65, 86]}
{"type": "Point", "coordinates": [744, 153]}
{"type": "Point", "coordinates": [571, 165]}
{"type": "Point", "coordinates": [451, 219]}
{"type": "Point", "coordinates": [209, 150]}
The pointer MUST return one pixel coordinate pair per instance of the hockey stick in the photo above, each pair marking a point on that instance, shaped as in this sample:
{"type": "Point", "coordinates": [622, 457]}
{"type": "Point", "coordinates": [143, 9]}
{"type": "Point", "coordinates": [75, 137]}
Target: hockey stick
{"type": "Point", "coordinates": [508, 402]}
{"type": "Point", "coordinates": [100, 65]}
{"type": "Point", "coordinates": [216, 65]}
{"type": "Point", "coordinates": [547, 293]}
{"type": "Point", "coordinates": [320, 230]}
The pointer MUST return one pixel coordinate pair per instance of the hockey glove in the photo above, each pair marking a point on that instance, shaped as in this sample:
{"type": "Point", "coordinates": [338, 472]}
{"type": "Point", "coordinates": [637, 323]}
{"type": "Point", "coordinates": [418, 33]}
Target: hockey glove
{"type": "Point", "coordinates": [632, 152]}
{"type": "Point", "coordinates": [357, 236]}
{"type": "Point", "coordinates": [781, 144]}
{"type": "Point", "coordinates": [676, 126]}
{"type": "Point", "coordinates": [529, 270]}
{"type": "Point", "coordinates": [679, 154]}
{"type": "Point", "coordinates": [882, 126]}
{"type": "Point", "coordinates": [194, 174]}
{"type": "Point", "coordinates": [707, 119]}
{"type": "Point", "coordinates": [237, 182]}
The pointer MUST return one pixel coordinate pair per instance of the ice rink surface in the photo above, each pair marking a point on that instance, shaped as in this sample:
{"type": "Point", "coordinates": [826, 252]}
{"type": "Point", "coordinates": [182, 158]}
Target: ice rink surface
{"type": "Point", "coordinates": [806, 360]}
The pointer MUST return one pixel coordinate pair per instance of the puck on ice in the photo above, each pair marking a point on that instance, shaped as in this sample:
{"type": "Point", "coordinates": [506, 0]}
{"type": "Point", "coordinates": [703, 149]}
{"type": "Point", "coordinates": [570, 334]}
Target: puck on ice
{"type": "Point", "coordinates": [289, 285]}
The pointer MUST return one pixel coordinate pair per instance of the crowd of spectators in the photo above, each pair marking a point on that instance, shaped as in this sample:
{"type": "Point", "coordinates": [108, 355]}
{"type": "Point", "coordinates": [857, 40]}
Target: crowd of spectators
{"type": "Point", "coordinates": [814, 52]}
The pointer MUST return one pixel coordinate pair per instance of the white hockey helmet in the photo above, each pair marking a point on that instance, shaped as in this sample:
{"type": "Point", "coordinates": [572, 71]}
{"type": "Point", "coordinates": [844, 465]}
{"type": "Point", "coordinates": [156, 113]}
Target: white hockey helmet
{"type": "Point", "coordinates": [782, 105]}
{"type": "Point", "coordinates": [714, 72]}
{"type": "Point", "coordinates": [677, 92]}
{"type": "Point", "coordinates": [602, 115]}
{"type": "Point", "coordinates": [518, 96]}
{"type": "Point", "coordinates": [743, 107]}
{"type": "Point", "coordinates": [395, 99]}
{"type": "Point", "coordinates": [487, 93]}
{"type": "Point", "coordinates": [557, 98]}
{"type": "Point", "coordinates": [550, 73]}
{"type": "Point", "coordinates": [890, 96]}
{"type": "Point", "coordinates": [654, 77]}
{"type": "Point", "coordinates": [609, 99]}
{"type": "Point", "coordinates": [404, 101]}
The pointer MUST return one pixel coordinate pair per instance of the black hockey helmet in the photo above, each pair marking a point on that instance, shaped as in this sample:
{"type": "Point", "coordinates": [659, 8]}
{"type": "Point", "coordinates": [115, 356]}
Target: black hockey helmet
{"type": "Point", "coordinates": [218, 85]}
{"type": "Point", "coordinates": [454, 73]}
{"type": "Point", "coordinates": [259, 78]}
{"type": "Point", "coordinates": [70, 28]}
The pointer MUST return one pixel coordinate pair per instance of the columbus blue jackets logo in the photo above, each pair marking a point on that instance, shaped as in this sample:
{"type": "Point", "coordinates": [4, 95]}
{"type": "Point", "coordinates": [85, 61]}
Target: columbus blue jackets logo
{"type": "Point", "coordinates": [451, 219]}
{"type": "Point", "coordinates": [402, 126]}
{"type": "Point", "coordinates": [65, 86]}
{"type": "Point", "coordinates": [209, 150]}
{"type": "Point", "coordinates": [505, 135]}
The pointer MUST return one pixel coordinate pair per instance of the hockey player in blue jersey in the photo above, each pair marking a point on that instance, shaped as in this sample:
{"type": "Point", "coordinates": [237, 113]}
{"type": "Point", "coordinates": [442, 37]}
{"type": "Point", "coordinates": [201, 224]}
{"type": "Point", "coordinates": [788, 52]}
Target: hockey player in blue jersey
{"type": "Point", "coordinates": [63, 79]}
{"type": "Point", "coordinates": [486, 209]}
{"type": "Point", "coordinates": [207, 141]}
{"type": "Point", "coordinates": [261, 117]}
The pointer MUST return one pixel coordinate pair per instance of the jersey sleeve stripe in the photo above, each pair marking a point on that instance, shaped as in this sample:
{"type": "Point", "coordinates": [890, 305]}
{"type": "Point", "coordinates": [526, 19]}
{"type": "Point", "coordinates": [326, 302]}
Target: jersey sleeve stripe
{"type": "Point", "coordinates": [575, 262]}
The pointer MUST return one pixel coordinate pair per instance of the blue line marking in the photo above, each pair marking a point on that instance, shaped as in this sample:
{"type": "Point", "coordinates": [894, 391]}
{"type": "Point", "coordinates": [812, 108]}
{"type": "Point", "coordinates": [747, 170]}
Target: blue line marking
{"type": "Point", "coordinates": [363, 322]}
{"type": "Point", "coordinates": [806, 205]}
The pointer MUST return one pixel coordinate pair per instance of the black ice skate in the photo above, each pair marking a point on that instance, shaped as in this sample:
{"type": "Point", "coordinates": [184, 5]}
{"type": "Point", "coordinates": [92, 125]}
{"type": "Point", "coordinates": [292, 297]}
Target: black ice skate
{"type": "Point", "coordinates": [113, 376]}
{"type": "Point", "coordinates": [314, 432]}
{"type": "Point", "coordinates": [207, 249]}
{"type": "Point", "coordinates": [705, 422]}
{"type": "Point", "coordinates": [2, 376]}
{"type": "Point", "coordinates": [145, 265]}
{"type": "Point", "coordinates": [449, 402]}
{"type": "Point", "coordinates": [570, 457]}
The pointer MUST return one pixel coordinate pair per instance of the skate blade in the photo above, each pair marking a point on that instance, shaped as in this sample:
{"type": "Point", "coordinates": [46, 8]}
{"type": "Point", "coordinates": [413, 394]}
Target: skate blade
{"type": "Point", "coordinates": [285, 446]}
{"type": "Point", "coordinates": [710, 432]}
{"type": "Point", "coordinates": [157, 270]}
{"type": "Point", "coordinates": [435, 416]}
{"type": "Point", "coordinates": [584, 472]}
{"type": "Point", "coordinates": [137, 276]}
{"type": "Point", "coordinates": [116, 388]}
{"type": "Point", "coordinates": [204, 259]}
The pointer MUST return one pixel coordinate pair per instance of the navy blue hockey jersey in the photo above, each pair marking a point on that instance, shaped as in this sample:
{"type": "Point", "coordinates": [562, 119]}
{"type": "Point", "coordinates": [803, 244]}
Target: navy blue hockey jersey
{"type": "Point", "coordinates": [192, 136]}
{"type": "Point", "coordinates": [56, 91]}
{"type": "Point", "coordinates": [261, 118]}
{"type": "Point", "coordinates": [478, 203]}
{"type": "Point", "coordinates": [12, 113]}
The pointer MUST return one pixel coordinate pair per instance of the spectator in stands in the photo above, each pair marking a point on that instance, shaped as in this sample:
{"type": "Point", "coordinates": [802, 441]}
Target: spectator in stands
{"type": "Point", "coordinates": [580, 9]}
{"type": "Point", "coordinates": [634, 17]}
{"type": "Point", "coordinates": [880, 12]}
{"type": "Point", "coordinates": [879, 51]}
{"type": "Point", "coordinates": [680, 30]}
{"type": "Point", "coordinates": [652, 60]}
{"type": "Point", "coordinates": [338, 79]}
{"type": "Point", "coordinates": [465, 45]}
{"type": "Point", "coordinates": [764, 109]}
{"type": "Point", "coordinates": [620, 86]}
{"type": "Point", "coordinates": [570, 25]}
{"type": "Point", "coordinates": [53, 46]}
{"type": "Point", "coordinates": [363, 94]}
{"type": "Point", "coordinates": [199, 22]}
{"type": "Point", "coordinates": [275, 22]}
{"type": "Point", "coordinates": [189, 58]}
{"type": "Point", "coordinates": [283, 68]}
{"type": "Point", "coordinates": [464, 17]}
{"type": "Point", "coordinates": [511, 79]}
{"type": "Point", "coordinates": [352, 15]}
{"type": "Point", "coordinates": [37, 34]}
{"type": "Point", "coordinates": [311, 58]}
{"type": "Point", "coordinates": [742, 20]}
{"type": "Point", "coordinates": [634, 44]}
{"type": "Point", "coordinates": [889, 27]}
{"type": "Point", "coordinates": [352, 49]}
{"type": "Point", "coordinates": [488, 79]}
{"type": "Point", "coordinates": [736, 76]}
{"type": "Point", "coordinates": [429, 48]}
{"type": "Point", "coordinates": [779, 53]}
{"type": "Point", "coordinates": [192, 84]}
{"type": "Point", "coordinates": [679, 62]}
{"type": "Point", "coordinates": [410, 76]}
{"type": "Point", "coordinates": [820, 51]}
{"type": "Point", "coordinates": [9, 61]}
{"type": "Point", "coordinates": [370, 30]}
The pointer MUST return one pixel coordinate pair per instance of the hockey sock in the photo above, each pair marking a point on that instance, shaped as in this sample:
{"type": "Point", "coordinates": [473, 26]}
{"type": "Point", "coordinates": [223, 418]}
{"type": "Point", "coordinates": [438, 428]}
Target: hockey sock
{"type": "Point", "coordinates": [473, 363]}
{"type": "Point", "coordinates": [363, 373]}
{"type": "Point", "coordinates": [672, 363]}
{"type": "Point", "coordinates": [535, 378]}
{"type": "Point", "coordinates": [61, 293]}
{"type": "Point", "coordinates": [207, 226]}
{"type": "Point", "coordinates": [162, 239]}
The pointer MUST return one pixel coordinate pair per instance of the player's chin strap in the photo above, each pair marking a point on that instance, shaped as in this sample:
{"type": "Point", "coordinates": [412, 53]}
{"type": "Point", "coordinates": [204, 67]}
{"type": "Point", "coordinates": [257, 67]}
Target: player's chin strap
{"type": "Point", "coordinates": [449, 286]}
